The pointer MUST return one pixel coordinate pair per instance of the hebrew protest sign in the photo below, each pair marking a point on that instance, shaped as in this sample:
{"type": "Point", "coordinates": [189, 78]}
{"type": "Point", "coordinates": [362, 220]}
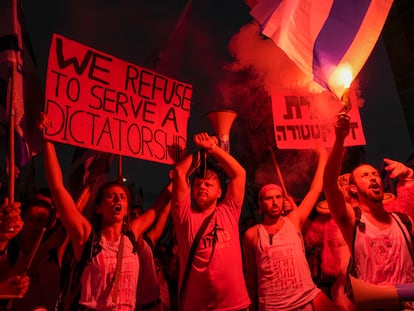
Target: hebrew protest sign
{"type": "Point", "coordinates": [101, 102]}
{"type": "Point", "coordinates": [302, 119]}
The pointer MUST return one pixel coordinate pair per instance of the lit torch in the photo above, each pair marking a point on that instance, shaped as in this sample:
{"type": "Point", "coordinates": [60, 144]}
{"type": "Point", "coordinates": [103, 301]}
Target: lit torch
{"type": "Point", "coordinates": [346, 77]}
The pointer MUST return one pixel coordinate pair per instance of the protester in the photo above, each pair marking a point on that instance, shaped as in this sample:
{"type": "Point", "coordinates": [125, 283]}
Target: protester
{"type": "Point", "coordinates": [278, 276]}
{"type": "Point", "coordinates": [10, 223]}
{"type": "Point", "coordinates": [34, 252]}
{"type": "Point", "coordinates": [379, 240]}
{"type": "Point", "coordinates": [105, 276]}
{"type": "Point", "coordinates": [11, 286]}
{"type": "Point", "coordinates": [149, 291]}
{"type": "Point", "coordinates": [328, 254]}
{"type": "Point", "coordinates": [167, 268]}
{"type": "Point", "coordinates": [215, 279]}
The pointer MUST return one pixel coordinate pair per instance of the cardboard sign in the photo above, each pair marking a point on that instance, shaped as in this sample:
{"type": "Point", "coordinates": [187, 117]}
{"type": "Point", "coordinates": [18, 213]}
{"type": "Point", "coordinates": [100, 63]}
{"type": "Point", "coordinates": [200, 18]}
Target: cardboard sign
{"type": "Point", "coordinates": [100, 102]}
{"type": "Point", "coordinates": [301, 120]}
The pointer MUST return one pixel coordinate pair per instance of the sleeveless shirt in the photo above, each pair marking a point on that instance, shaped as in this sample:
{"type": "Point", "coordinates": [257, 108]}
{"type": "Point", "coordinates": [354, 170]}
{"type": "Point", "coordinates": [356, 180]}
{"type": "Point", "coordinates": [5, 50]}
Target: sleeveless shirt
{"type": "Point", "coordinates": [381, 256]}
{"type": "Point", "coordinates": [284, 277]}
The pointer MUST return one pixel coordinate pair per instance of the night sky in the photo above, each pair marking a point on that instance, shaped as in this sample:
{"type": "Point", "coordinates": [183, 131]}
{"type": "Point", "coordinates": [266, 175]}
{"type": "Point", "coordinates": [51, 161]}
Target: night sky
{"type": "Point", "coordinates": [137, 30]}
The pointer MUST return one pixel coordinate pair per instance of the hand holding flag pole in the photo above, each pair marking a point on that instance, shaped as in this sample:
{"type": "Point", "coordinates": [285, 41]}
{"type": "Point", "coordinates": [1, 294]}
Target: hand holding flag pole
{"type": "Point", "coordinates": [29, 261]}
{"type": "Point", "coordinates": [13, 98]}
{"type": "Point", "coordinates": [12, 162]}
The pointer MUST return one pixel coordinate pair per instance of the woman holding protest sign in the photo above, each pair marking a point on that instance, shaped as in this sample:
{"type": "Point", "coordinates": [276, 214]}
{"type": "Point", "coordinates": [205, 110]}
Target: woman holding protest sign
{"type": "Point", "coordinates": [105, 275]}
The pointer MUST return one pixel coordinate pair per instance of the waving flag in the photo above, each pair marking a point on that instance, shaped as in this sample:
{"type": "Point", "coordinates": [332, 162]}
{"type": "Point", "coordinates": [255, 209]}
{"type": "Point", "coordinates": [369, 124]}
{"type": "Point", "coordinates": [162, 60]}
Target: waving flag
{"type": "Point", "coordinates": [322, 36]}
{"type": "Point", "coordinates": [19, 76]}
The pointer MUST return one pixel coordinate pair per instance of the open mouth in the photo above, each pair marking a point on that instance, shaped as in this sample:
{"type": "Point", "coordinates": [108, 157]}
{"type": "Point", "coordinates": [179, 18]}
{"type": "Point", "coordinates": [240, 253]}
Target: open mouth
{"type": "Point", "coordinates": [117, 208]}
{"type": "Point", "coordinates": [375, 187]}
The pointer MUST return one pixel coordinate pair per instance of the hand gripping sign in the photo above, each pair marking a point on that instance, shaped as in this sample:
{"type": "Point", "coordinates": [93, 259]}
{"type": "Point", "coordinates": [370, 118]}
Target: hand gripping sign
{"type": "Point", "coordinates": [101, 102]}
{"type": "Point", "coordinates": [302, 119]}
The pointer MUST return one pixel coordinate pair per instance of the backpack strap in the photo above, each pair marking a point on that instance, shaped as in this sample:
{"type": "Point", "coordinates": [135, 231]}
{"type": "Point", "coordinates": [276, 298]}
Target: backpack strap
{"type": "Point", "coordinates": [351, 268]}
{"type": "Point", "coordinates": [191, 254]}
{"type": "Point", "coordinates": [358, 223]}
{"type": "Point", "coordinates": [70, 292]}
{"type": "Point", "coordinates": [407, 223]}
{"type": "Point", "coordinates": [403, 218]}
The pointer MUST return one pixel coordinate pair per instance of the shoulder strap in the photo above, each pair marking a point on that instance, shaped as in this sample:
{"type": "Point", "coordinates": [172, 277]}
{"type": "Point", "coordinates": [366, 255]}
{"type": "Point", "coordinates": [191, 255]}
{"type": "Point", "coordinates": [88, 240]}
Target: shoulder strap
{"type": "Point", "coordinates": [357, 211]}
{"type": "Point", "coordinates": [117, 272]}
{"type": "Point", "coordinates": [191, 254]}
{"type": "Point", "coordinates": [351, 268]}
{"type": "Point", "coordinates": [351, 264]}
{"type": "Point", "coordinates": [407, 222]}
{"type": "Point", "coordinates": [71, 289]}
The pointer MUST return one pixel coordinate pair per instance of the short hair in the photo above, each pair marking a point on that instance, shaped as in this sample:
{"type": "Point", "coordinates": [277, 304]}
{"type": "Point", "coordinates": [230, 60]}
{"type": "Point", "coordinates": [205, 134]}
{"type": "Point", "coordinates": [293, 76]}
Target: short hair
{"type": "Point", "coordinates": [37, 201]}
{"type": "Point", "coordinates": [214, 168]}
{"type": "Point", "coordinates": [268, 187]}
{"type": "Point", "coordinates": [352, 176]}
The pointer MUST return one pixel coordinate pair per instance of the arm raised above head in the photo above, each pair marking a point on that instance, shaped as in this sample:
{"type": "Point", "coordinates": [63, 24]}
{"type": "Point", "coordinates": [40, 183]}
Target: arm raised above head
{"type": "Point", "coordinates": [75, 223]}
{"type": "Point", "coordinates": [301, 213]}
{"type": "Point", "coordinates": [160, 207]}
{"type": "Point", "coordinates": [233, 169]}
{"type": "Point", "coordinates": [341, 212]}
{"type": "Point", "coordinates": [180, 179]}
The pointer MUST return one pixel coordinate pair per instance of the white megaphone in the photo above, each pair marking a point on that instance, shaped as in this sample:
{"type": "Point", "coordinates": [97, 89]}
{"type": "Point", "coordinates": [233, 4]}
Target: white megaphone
{"type": "Point", "coordinates": [370, 297]}
{"type": "Point", "coordinates": [222, 120]}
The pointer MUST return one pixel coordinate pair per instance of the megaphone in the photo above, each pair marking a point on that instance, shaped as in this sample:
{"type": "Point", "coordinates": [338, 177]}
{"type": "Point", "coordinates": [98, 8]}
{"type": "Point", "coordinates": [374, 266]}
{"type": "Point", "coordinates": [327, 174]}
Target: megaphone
{"type": "Point", "coordinates": [222, 121]}
{"type": "Point", "coordinates": [370, 297]}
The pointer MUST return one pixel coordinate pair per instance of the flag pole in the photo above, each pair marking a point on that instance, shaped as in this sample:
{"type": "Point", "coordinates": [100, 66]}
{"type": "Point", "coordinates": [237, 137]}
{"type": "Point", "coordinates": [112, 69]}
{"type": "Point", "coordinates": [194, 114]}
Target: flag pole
{"type": "Point", "coordinates": [13, 96]}
{"type": "Point", "coordinates": [12, 81]}
{"type": "Point", "coordinates": [120, 173]}
{"type": "Point", "coordinates": [278, 172]}
{"type": "Point", "coordinates": [12, 161]}
{"type": "Point", "coordinates": [29, 261]}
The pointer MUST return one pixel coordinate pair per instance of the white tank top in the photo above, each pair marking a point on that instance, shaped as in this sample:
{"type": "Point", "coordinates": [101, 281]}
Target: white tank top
{"type": "Point", "coordinates": [284, 277]}
{"type": "Point", "coordinates": [98, 278]}
{"type": "Point", "coordinates": [382, 256]}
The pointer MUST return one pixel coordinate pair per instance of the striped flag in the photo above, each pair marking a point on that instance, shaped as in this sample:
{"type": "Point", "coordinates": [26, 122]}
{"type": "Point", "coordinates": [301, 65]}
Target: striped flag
{"type": "Point", "coordinates": [323, 36]}
{"type": "Point", "coordinates": [16, 54]}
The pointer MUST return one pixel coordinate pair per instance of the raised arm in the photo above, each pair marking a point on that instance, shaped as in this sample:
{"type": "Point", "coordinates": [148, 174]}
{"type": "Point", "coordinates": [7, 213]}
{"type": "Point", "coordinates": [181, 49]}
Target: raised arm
{"type": "Point", "coordinates": [235, 172]}
{"type": "Point", "coordinates": [341, 212]}
{"type": "Point", "coordinates": [399, 170]}
{"type": "Point", "coordinates": [156, 231]}
{"type": "Point", "coordinates": [162, 203]}
{"type": "Point", "coordinates": [404, 201]}
{"type": "Point", "coordinates": [301, 213]}
{"type": "Point", "coordinates": [77, 226]}
{"type": "Point", "coordinates": [181, 183]}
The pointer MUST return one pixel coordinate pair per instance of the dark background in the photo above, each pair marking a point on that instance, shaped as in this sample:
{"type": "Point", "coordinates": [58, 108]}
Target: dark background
{"type": "Point", "coordinates": [137, 30]}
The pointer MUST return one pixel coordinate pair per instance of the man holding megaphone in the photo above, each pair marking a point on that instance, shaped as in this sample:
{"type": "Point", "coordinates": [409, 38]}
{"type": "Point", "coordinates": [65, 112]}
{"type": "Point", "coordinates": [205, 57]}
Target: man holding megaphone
{"type": "Point", "coordinates": [380, 242]}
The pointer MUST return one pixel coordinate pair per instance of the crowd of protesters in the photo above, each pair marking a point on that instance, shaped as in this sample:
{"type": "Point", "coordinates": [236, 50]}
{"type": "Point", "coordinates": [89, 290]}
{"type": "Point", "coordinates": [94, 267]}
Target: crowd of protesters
{"type": "Point", "coordinates": [189, 251]}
